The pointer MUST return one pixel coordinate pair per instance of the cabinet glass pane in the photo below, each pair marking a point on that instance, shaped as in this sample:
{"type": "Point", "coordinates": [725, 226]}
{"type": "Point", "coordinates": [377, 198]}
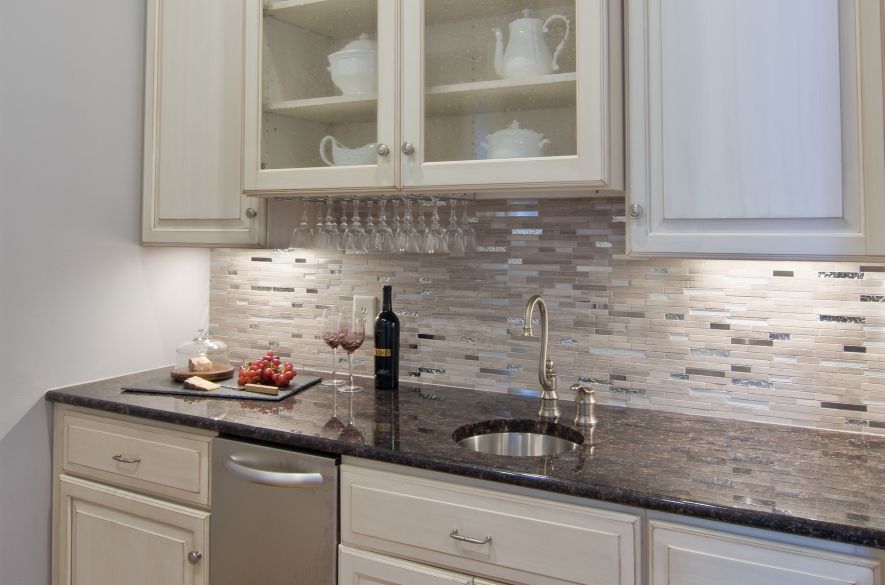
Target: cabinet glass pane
{"type": "Point", "coordinates": [319, 83]}
{"type": "Point", "coordinates": [491, 99]}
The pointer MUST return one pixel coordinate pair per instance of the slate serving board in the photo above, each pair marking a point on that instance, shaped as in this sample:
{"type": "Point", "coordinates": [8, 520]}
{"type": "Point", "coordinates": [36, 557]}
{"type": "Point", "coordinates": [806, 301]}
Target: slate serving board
{"type": "Point", "coordinates": [297, 384]}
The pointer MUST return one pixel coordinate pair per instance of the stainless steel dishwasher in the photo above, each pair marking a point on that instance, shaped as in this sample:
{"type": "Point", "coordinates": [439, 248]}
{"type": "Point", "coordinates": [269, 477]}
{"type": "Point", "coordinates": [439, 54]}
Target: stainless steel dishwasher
{"type": "Point", "coordinates": [274, 516]}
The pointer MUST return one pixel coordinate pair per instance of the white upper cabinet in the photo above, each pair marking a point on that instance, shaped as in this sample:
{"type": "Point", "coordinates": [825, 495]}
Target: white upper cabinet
{"type": "Point", "coordinates": [389, 95]}
{"type": "Point", "coordinates": [192, 192]}
{"type": "Point", "coordinates": [755, 127]}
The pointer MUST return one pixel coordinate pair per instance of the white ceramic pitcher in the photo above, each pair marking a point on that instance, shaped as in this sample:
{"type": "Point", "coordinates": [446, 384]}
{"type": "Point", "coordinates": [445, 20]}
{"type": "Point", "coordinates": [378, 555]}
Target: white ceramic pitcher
{"type": "Point", "coordinates": [527, 54]}
{"type": "Point", "coordinates": [343, 156]}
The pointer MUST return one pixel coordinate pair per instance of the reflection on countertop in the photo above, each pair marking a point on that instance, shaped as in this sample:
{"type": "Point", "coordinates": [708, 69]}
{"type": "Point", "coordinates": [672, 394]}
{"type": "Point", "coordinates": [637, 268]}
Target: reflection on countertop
{"type": "Point", "coordinates": [802, 481]}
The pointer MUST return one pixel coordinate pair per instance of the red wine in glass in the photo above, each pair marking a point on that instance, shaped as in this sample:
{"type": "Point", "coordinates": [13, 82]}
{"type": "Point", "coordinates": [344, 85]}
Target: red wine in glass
{"type": "Point", "coordinates": [331, 334]}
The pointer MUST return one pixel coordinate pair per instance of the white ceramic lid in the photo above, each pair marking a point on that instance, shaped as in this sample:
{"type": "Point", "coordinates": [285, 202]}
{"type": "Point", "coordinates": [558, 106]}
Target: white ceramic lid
{"type": "Point", "coordinates": [363, 43]}
{"type": "Point", "coordinates": [515, 132]}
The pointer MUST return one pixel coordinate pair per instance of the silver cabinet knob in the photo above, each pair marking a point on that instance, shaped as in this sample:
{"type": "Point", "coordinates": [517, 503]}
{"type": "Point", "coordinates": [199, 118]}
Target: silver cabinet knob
{"type": "Point", "coordinates": [408, 148]}
{"type": "Point", "coordinates": [635, 211]}
{"type": "Point", "coordinates": [382, 149]}
{"type": "Point", "coordinates": [251, 213]}
{"type": "Point", "coordinates": [194, 557]}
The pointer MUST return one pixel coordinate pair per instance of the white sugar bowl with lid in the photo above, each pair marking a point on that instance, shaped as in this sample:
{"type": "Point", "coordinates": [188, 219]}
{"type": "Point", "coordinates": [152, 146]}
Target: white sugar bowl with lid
{"type": "Point", "coordinates": [354, 68]}
{"type": "Point", "coordinates": [515, 142]}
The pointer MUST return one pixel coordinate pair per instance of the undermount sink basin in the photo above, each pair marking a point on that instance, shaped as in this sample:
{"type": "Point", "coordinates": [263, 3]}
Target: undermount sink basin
{"type": "Point", "coordinates": [518, 438]}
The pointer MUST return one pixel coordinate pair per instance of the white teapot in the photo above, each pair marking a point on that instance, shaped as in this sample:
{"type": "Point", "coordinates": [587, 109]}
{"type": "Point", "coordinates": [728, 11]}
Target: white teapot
{"type": "Point", "coordinates": [354, 68]}
{"type": "Point", "coordinates": [343, 156]}
{"type": "Point", "coordinates": [527, 54]}
{"type": "Point", "coordinates": [515, 142]}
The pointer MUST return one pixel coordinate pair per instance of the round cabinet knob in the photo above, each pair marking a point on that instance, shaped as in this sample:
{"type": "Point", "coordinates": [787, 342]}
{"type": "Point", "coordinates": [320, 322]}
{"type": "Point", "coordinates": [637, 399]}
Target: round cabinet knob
{"type": "Point", "coordinates": [194, 557]}
{"type": "Point", "coordinates": [635, 211]}
{"type": "Point", "coordinates": [382, 150]}
{"type": "Point", "coordinates": [251, 213]}
{"type": "Point", "coordinates": [408, 148]}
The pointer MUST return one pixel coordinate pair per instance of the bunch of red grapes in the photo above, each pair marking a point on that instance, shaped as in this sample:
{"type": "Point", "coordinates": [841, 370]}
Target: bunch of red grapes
{"type": "Point", "coordinates": [268, 370]}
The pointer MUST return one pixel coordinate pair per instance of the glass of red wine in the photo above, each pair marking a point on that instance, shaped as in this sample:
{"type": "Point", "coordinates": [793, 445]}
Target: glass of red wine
{"type": "Point", "coordinates": [353, 332]}
{"type": "Point", "coordinates": [331, 333]}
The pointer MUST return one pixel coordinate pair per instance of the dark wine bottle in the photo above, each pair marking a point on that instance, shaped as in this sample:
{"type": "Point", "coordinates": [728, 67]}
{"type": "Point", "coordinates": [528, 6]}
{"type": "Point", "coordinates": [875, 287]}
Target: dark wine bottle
{"type": "Point", "coordinates": [387, 345]}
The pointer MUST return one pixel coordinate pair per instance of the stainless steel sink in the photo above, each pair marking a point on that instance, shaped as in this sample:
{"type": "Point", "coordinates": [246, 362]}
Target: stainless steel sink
{"type": "Point", "coordinates": [518, 438]}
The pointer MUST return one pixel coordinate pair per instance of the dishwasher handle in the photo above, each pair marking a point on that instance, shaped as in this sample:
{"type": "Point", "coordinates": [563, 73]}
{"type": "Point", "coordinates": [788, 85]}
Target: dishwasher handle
{"type": "Point", "coordinates": [273, 478]}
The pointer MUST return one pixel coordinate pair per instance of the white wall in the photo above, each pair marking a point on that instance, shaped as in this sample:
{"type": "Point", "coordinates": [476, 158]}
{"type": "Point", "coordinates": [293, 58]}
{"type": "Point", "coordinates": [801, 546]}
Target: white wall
{"type": "Point", "coordinates": [79, 298]}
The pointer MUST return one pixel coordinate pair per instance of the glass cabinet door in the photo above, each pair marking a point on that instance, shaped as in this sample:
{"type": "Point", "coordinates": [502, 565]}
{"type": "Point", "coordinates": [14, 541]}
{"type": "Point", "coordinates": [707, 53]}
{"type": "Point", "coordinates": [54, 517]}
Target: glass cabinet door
{"type": "Point", "coordinates": [320, 94]}
{"type": "Point", "coordinates": [506, 91]}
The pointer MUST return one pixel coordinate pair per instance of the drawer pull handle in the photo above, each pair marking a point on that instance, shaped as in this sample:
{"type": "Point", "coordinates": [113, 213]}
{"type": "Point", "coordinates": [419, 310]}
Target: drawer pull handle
{"type": "Point", "coordinates": [122, 459]}
{"type": "Point", "coordinates": [454, 534]}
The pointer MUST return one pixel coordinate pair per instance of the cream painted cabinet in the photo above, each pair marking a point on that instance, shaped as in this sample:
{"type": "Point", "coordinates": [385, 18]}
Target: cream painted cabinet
{"type": "Point", "coordinates": [130, 501]}
{"type": "Point", "coordinates": [687, 555]}
{"type": "Point", "coordinates": [486, 532]}
{"type": "Point", "coordinates": [391, 95]}
{"type": "Point", "coordinates": [111, 537]}
{"type": "Point", "coordinates": [192, 181]}
{"type": "Point", "coordinates": [755, 127]}
{"type": "Point", "coordinates": [358, 567]}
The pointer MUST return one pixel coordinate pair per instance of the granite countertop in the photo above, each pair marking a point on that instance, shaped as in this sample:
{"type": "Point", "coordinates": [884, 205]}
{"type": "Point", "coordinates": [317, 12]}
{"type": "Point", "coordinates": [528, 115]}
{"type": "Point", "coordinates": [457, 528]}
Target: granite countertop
{"type": "Point", "coordinates": [801, 481]}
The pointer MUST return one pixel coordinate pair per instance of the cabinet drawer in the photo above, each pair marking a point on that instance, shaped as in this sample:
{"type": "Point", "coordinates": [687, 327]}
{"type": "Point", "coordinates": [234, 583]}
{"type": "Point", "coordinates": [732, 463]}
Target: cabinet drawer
{"type": "Point", "coordinates": [687, 555]}
{"type": "Point", "coordinates": [149, 459]}
{"type": "Point", "coordinates": [531, 540]}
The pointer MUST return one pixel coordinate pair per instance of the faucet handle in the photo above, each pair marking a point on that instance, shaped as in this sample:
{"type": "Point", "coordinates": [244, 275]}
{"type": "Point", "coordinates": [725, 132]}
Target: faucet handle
{"type": "Point", "coordinates": [585, 399]}
{"type": "Point", "coordinates": [550, 374]}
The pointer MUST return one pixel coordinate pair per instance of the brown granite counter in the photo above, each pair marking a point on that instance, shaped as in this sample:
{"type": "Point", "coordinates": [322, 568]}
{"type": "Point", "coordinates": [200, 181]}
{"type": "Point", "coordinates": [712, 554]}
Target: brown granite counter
{"type": "Point", "coordinates": [800, 481]}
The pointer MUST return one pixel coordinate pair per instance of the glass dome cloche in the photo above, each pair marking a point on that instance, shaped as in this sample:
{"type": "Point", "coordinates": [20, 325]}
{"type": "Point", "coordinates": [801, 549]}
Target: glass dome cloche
{"type": "Point", "coordinates": [202, 356]}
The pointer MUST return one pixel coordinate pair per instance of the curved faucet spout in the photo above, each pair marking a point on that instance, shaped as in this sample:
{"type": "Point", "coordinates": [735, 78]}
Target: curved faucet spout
{"type": "Point", "coordinates": [546, 373]}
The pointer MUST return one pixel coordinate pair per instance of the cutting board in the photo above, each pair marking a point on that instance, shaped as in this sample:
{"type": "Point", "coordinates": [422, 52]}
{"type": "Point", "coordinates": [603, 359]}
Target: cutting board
{"type": "Point", "coordinates": [297, 384]}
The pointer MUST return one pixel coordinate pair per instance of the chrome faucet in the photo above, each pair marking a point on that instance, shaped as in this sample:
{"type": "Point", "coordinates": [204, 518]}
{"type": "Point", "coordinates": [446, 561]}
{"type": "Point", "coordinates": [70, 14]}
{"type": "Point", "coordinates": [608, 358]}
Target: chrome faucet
{"type": "Point", "coordinates": [546, 375]}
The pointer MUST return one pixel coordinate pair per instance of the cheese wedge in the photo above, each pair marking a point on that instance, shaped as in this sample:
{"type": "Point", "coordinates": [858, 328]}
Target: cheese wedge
{"type": "Point", "coordinates": [198, 383]}
{"type": "Point", "coordinates": [262, 389]}
{"type": "Point", "coordinates": [199, 364]}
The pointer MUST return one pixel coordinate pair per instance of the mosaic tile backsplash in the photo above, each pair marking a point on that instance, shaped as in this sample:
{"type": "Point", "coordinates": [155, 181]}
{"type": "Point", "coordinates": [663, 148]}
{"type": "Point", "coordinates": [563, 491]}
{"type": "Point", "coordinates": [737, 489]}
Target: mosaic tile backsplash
{"type": "Point", "coordinates": [795, 343]}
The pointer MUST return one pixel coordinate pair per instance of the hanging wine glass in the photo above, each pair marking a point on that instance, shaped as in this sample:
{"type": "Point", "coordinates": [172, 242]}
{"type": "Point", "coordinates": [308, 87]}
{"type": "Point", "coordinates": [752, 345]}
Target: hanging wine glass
{"type": "Point", "coordinates": [454, 233]}
{"type": "Point", "coordinates": [355, 236]}
{"type": "Point", "coordinates": [421, 228]}
{"type": "Point", "coordinates": [373, 238]}
{"type": "Point", "coordinates": [302, 235]}
{"type": "Point", "coordinates": [331, 334]}
{"type": "Point", "coordinates": [342, 225]}
{"type": "Point", "coordinates": [469, 231]}
{"type": "Point", "coordinates": [387, 243]}
{"type": "Point", "coordinates": [352, 335]}
{"type": "Point", "coordinates": [326, 231]}
{"type": "Point", "coordinates": [435, 238]}
{"type": "Point", "coordinates": [399, 236]}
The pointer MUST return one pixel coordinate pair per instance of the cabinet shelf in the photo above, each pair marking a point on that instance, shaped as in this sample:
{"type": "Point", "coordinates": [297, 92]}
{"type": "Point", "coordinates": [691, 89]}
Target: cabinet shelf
{"type": "Point", "coordinates": [548, 91]}
{"type": "Point", "coordinates": [325, 17]}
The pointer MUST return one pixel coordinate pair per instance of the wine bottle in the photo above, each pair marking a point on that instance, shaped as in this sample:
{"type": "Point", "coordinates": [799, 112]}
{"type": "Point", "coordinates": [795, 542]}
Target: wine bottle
{"type": "Point", "coordinates": [387, 345]}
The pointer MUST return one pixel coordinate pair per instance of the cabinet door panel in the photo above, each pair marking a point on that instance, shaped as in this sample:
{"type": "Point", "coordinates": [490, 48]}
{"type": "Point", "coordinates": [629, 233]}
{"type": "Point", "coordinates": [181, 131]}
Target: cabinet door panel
{"type": "Point", "coordinates": [320, 95]}
{"type": "Point", "coordinates": [193, 126]}
{"type": "Point", "coordinates": [357, 567]}
{"type": "Point", "coordinates": [755, 127]}
{"type": "Point", "coordinates": [485, 115]}
{"type": "Point", "coordinates": [751, 122]}
{"type": "Point", "coordinates": [113, 537]}
{"type": "Point", "coordinates": [684, 555]}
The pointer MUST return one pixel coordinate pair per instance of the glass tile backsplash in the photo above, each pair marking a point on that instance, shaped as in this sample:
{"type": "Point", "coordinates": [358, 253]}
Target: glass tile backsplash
{"type": "Point", "coordinates": [796, 343]}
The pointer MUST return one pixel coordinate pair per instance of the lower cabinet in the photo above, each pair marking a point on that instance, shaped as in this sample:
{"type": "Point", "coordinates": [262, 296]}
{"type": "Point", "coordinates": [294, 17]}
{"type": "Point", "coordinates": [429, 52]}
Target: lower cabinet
{"type": "Point", "coordinates": [687, 555]}
{"type": "Point", "coordinates": [358, 567]}
{"type": "Point", "coordinates": [486, 533]}
{"type": "Point", "coordinates": [110, 536]}
{"type": "Point", "coordinates": [130, 501]}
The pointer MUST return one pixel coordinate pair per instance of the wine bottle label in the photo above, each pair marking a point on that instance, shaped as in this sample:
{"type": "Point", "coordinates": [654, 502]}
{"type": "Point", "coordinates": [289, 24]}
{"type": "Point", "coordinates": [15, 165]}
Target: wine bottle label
{"type": "Point", "coordinates": [383, 352]}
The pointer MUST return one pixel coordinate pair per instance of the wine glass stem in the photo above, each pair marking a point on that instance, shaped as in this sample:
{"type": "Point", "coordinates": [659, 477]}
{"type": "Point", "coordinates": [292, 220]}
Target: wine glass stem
{"type": "Point", "coordinates": [334, 363]}
{"type": "Point", "coordinates": [350, 368]}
